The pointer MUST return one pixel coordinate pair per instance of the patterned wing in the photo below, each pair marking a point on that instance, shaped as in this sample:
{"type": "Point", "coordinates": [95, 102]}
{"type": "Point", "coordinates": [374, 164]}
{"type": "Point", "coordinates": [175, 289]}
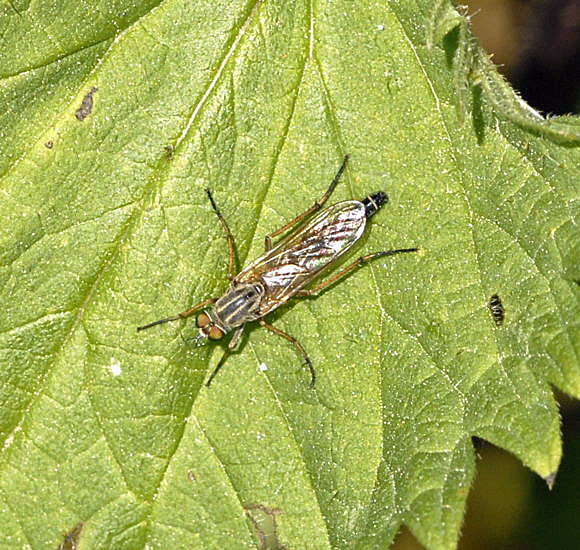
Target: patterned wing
{"type": "Point", "coordinates": [301, 256]}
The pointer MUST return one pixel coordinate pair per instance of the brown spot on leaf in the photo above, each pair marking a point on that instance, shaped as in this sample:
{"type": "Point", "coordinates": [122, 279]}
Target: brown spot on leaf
{"type": "Point", "coordinates": [86, 106]}
{"type": "Point", "coordinates": [72, 538]}
{"type": "Point", "coordinates": [263, 520]}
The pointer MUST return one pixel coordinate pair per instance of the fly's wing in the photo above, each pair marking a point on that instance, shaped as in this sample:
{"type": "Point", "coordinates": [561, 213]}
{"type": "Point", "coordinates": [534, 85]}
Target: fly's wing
{"type": "Point", "coordinates": [301, 256]}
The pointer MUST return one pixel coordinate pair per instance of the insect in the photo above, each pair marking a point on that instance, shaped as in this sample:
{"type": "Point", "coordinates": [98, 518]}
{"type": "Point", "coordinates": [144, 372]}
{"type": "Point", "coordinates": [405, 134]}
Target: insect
{"type": "Point", "coordinates": [284, 270]}
{"type": "Point", "coordinates": [497, 310]}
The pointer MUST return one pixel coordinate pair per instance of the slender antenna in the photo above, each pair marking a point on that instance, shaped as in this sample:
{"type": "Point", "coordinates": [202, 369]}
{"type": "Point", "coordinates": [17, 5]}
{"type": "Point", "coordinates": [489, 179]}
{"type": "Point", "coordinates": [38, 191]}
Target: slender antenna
{"type": "Point", "coordinates": [160, 322]}
{"type": "Point", "coordinates": [181, 315]}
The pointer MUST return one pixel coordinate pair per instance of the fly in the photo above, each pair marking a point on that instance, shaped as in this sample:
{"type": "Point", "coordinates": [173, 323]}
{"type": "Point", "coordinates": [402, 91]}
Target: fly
{"type": "Point", "coordinates": [284, 270]}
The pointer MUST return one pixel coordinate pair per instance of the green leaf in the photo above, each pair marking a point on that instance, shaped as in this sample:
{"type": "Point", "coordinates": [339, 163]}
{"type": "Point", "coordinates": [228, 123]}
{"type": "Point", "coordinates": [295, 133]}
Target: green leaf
{"type": "Point", "coordinates": [110, 439]}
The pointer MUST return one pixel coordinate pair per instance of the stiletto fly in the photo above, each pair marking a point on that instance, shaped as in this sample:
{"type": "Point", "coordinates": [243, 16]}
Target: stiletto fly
{"type": "Point", "coordinates": [284, 270]}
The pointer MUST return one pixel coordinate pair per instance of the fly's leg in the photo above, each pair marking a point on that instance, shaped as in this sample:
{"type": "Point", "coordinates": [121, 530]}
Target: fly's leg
{"type": "Point", "coordinates": [231, 345]}
{"type": "Point", "coordinates": [316, 206]}
{"type": "Point", "coordinates": [231, 247]}
{"type": "Point", "coordinates": [355, 265]}
{"type": "Point", "coordinates": [296, 344]}
{"type": "Point", "coordinates": [181, 315]}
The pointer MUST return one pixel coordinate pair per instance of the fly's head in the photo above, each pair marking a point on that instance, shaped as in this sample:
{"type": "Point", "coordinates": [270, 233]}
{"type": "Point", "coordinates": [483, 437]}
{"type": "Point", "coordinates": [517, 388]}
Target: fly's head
{"type": "Point", "coordinates": [209, 326]}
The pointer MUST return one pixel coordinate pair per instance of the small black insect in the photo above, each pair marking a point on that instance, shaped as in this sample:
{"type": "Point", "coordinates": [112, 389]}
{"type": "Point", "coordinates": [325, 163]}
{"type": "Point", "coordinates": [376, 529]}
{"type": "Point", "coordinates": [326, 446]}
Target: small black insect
{"type": "Point", "coordinates": [497, 310]}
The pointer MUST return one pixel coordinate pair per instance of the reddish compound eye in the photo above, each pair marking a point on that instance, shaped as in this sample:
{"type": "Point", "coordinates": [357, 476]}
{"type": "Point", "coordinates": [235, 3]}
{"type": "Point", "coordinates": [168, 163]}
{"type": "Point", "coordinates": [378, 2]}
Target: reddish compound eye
{"type": "Point", "coordinates": [202, 320]}
{"type": "Point", "coordinates": [215, 333]}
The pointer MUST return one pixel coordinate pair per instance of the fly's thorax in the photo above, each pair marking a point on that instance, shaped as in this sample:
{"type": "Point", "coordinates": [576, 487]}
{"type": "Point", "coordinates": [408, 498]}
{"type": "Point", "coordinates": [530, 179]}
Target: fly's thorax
{"type": "Point", "coordinates": [239, 305]}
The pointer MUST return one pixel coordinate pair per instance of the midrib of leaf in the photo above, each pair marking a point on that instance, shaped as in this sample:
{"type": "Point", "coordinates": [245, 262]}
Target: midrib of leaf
{"type": "Point", "coordinates": [309, 58]}
{"type": "Point", "coordinates": [309, 50]}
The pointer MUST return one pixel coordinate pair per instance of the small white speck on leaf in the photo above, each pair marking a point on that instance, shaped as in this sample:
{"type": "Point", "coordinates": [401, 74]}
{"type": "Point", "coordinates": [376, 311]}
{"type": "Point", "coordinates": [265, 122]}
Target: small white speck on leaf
{"type": "Point", "coordinates": [115, 367]}
{"type": "Point", "coordinates": [263, 367]}
{"type": "Point", "coordinates": [10, 439]}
